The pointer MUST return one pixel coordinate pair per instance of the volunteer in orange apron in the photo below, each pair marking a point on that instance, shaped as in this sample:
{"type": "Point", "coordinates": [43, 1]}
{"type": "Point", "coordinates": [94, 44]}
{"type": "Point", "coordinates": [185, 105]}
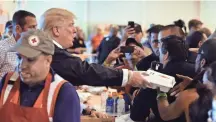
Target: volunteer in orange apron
{"type": "Point", "coordinates": [34, 93]}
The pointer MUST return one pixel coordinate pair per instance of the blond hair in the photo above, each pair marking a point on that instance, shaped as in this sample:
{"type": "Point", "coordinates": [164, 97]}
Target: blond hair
{"type": "Point", "coordinates": [54, 17]}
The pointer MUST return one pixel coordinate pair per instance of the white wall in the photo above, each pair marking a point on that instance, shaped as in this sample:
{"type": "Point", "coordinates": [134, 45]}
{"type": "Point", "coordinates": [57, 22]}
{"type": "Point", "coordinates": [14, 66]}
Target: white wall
{"type": "Point", "coordinates": [208, 14]}
{"type": "Point", "coordinates": [117, 12]}
{"type": "Point", "coordinates": [77, 7]}
{"type": "Point", "coordinates": [165, 12]}
{"type": "Point", "coordinates": [120, 12]}
{"type": "Point", "coordinates": [143, 12]}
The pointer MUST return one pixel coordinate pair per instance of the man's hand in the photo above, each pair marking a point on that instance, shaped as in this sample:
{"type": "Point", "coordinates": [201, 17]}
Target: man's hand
{"type": "Point", "coordinates": [142, 53]}
{"type": "Point", "coordinates": [113, 55]}
{"type": "Point", "coordinates": [195, 50]}
{"type": "Point", "coordinates": [181, 86]}
{"type": "Point", "coordinates": [137, 79]}
{"type": "Point", "coordinates": [79, 50]}
{"type": "Point", "coordinates": [98, 114]}
{"type": "Point", "coordinates": [128, 31]}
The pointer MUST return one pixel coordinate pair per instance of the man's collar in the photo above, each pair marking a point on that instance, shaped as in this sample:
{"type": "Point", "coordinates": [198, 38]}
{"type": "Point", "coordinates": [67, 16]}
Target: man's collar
{"type": "Point", "coordinates": [57, 44]}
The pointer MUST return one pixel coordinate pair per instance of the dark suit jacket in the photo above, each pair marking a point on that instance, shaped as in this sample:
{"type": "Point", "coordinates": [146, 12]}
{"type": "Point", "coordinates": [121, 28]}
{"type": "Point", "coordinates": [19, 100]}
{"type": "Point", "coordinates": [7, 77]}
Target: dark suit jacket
{"type": "Point", "coordinates": [106, 46]}
{"type": "Point", "coordinates": [192, 57]}
{"type": "Point", "coordinates": [146, 99]}
{"type": "Point", "coordinates": [80, 72]}
{"type": "Point", "coordinates": [145, 63]}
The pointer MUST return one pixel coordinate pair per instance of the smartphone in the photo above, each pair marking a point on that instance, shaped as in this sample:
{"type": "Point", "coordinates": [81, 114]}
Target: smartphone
{"type": "Point", "coordinates": [156, 66]}
{"type": "Point", "coordinates": [126, 49]}
{"type": "Point", "coordinates": [131, 24]}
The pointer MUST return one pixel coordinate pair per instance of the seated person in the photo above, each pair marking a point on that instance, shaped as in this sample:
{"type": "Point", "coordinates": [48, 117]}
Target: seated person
{"type": "Point", "coordinates": [194, 95]}
{"type": "Point", "coordinates": [34, 92]}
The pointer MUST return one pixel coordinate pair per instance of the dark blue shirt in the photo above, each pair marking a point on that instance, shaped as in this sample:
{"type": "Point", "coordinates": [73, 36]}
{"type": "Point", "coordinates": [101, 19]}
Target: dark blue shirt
{"type": "Point", "coordinates": [67, 108]}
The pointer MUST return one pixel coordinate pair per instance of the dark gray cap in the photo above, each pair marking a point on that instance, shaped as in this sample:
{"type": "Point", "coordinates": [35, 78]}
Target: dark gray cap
{"type": "Point", "coordinates": [32, 43]}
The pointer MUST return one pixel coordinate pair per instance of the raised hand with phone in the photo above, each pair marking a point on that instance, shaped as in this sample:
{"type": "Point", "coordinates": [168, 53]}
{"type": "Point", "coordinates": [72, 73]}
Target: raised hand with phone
{"type": "Point", "coordinates": [129, 30]}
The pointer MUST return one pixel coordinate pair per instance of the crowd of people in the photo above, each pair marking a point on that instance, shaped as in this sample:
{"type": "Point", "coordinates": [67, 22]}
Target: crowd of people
{"type": "Point", "coordinates": [38, 70]}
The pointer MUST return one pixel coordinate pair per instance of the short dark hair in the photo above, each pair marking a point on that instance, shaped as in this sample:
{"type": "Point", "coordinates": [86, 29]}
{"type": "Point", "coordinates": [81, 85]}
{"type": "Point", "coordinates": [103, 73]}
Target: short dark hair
{"type": "Point", "coordinates": [194, 23]}
{"type": "Point", "coordinates": [155, 29]}
{"type": "Point", "coordinates": [9, 23]}
{"type": "Point", "coordinates": [180, 23]}
{"type": "Point", "coordinates": [207, 51]}
{"type": "Point", "coordinates": [175, 46]}
{"type": "Point", "coordinates": [194, 39]}
{"type": "Point", "coordinates": [19, 17]}
{"type": "Point", "coordinates": [173, 27]}
{"type": "Point", "coordinates": [133, 41]}
{"type": "Point", "coordinates": [137, 28]}
{"type": "Point", "coordinates": [206, 31]}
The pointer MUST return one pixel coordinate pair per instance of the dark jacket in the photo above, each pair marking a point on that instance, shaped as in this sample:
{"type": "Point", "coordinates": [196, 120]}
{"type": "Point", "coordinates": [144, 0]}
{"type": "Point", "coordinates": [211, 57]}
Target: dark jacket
{"type": "Point", "coordinates": [79, 72]}
{"type": "Point", "coordinates": [192, 57]}
{"type": "Point", "coordinates": [78, 43]}
{"type": "Point", "coordinates": [106, 46]}
{"type": "Point", "coordinates": [145, 63]}
{"type": "Point", "coordinates": [146, 99]}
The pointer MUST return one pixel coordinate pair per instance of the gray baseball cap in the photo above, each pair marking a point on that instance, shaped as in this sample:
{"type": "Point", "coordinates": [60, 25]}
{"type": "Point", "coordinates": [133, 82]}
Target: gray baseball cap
{"type": "Point", "coordinates": [32, 43]}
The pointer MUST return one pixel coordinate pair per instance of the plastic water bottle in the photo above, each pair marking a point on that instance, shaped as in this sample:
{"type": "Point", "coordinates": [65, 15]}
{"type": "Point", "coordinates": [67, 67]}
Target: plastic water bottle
{"type": "Point", "coordinates": [115, 98]}
{"type": "Point", "coordinates": [109, 104]}
{"type": "Point", "coordinates": [121, 105]}
{"type": "Point", "coordinates": [104, 96]}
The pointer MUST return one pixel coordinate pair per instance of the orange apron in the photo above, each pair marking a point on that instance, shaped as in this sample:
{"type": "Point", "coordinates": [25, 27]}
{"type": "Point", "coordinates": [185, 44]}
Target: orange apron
{"type": "Point", "coordinates": [11, 111]}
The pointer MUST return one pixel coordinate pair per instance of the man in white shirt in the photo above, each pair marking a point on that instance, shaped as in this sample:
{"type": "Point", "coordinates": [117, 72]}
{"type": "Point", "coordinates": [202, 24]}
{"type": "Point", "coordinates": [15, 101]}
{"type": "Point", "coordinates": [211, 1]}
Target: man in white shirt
{"type": "Point", "coordinates": [22, 21]}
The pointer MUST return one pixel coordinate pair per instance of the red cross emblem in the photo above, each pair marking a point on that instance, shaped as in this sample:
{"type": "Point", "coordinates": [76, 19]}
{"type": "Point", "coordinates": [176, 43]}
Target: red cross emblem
{"type": "Point", "coordinates": [34, 41]}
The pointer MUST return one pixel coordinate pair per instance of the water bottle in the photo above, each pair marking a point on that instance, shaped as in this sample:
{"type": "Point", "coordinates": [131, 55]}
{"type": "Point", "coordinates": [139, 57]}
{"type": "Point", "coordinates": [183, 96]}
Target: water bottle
{"type": "Point", "coordinates": [109, 104]}
{"type": "Point", "coordinates": [115, 98]}
{"type": "Point", "coordinates": [104, 96]}
{"type": "Point", "coordinates": [121, 105]}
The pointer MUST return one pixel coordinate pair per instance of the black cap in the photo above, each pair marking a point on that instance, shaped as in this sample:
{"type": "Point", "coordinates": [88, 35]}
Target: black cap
{"type": "Point", "coordinates": [9, 23]}
{"type": "Point", "coordinates": [208, 50]}
{"type": "Point", "coordinates": [137, 28]}
{"type": "Point", "coordinates": [132, 41]}
{"type": "Point", "coordinates": [155, 29]}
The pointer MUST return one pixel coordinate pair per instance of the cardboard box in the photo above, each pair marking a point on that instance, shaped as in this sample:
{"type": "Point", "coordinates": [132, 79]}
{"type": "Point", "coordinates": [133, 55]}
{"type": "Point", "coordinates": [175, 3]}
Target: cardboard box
{"type": "Point", "coordinates": [91, 119]}
{"type": "Point", "coordinates": [163, 81]}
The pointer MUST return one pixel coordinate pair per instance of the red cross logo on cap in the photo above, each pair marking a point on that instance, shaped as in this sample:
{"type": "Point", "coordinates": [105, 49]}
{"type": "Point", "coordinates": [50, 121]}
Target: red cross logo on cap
{"type": "Point", "coordinates": [34, 41]}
